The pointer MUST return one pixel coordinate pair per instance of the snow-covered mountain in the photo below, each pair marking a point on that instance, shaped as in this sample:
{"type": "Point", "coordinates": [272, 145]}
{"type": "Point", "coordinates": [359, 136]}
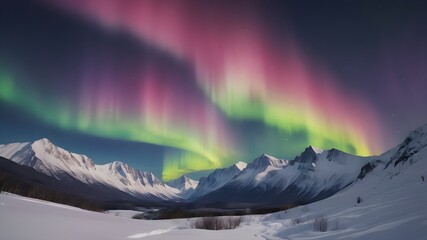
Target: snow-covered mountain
{"type": "Point", "coordinates": [267, 181]}
{"type": "Point", "coordinates": [411, 150]}
{"type": "Point", "coordinates": [314, 175]}
{"type": "Point", "coordinates": [184, 185]}
{"type": "Point", "coordinates": [217, 179]}
{"type": "Point", "coordinates": [387, 201]}
{"type": "Point", "coordinates": [43, 156]}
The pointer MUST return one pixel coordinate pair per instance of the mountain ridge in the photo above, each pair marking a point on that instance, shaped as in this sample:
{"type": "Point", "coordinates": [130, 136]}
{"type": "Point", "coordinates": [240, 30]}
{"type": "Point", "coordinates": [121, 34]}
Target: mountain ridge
{"type": "Point", "coordinates": [45, 157]}
{"type": "Point", "coordinates": [313, 175]}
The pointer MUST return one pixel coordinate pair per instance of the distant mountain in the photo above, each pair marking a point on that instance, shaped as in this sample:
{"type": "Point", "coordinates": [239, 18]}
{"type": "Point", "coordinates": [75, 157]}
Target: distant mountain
{"type": "Point", "coordinates": [26, 181]}
{"type": "Point", "coordinates": [184, 185]}
{"type": "Point", "coordinates": [313, 175]}
{"type": "Point", "coordinates": [43, 156]}
{"type": "Point", "coordinates": [268, 181]}
{"type": "Point", "coordinates": [217, 179]}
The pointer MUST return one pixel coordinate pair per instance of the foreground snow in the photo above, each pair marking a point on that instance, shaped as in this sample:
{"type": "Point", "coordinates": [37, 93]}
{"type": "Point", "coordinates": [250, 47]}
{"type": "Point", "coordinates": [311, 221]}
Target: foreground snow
{"type": "Point", "coordinates": [26, 218]}
{"type": "Point", "coordinates": [392, 208]}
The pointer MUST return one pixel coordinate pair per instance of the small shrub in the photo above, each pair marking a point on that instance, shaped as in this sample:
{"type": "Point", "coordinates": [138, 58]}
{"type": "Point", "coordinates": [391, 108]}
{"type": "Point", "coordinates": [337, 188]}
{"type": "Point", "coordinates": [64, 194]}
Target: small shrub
{"type": "Point", "coordinates": [320, 224]}
{"type": "Point", "coordinates": [359, 200]}
{"type": "Point", "coordinates": [422, 178]}
{"type": "Point", "coordinates": [217, 223]}
{"type": "Point", "coordinates": [138, 216]}
{"type": "Point", "coordinates": [296, 221]}
{"type": "Point", "coordinates": [305, 209]}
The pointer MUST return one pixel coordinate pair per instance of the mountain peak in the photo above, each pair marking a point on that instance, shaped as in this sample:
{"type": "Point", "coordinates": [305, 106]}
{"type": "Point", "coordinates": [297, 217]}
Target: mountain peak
{"type": "Point", "coordinates": [46, 150]}
{"type": "Point", "coordinates": [266, 155]}
{"type": "Point", "coordinates": [264, 161]}
{"type": "Point", "coordinates": [182, 179]}
{"type": "Point", "coordinates": [315, 149]}
{"type": "Point", "coordinates": [423, 128]}
{"type": "Point", "coordinates": [416, 141]}
{"type": "Point", "coordinates": [43, 142]}
{"type": "Point", "coordinates": [309, 155]}
{"type": "Point", "coordinates": [117, 164]}
{"type": "Point", "coordinates": [218, 178]}
{"type": "Point", "coordinates": [118, 167]}
{"type": "Point", "coordinates": [241, 165]}
{"type": "Point", "coordinates": [189, 180]}
{"type": "Point", "coordinates": [419, 133]}
{"type": "Point", "coordinates": [183, 183]}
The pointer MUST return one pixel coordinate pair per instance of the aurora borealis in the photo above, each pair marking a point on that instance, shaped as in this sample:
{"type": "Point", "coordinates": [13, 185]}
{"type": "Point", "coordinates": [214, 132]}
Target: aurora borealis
{"type": "Point", "coordinates": [209, 83]}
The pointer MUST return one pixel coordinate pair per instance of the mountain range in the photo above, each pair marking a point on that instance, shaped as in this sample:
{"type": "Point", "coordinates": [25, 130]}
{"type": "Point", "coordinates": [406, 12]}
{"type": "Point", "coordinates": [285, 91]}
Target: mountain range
{"type": "Point", "coordinates": [266, 181]}
{"type": "Point", "coordinates": [117, 181]}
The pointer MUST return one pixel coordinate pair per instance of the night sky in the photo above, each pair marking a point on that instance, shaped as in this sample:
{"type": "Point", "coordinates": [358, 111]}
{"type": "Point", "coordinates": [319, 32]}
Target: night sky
{"type": "Point", "coordinates": [175, 87]}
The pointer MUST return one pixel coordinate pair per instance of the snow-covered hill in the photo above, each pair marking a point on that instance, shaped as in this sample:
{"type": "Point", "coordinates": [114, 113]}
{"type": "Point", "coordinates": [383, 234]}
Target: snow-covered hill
{"type": "Point", "coordinates": [45, 157]}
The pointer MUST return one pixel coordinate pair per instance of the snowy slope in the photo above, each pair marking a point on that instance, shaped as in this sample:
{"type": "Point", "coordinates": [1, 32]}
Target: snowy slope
{"type": "Point", "coordinates": [45, 157]}
{"type": "Point", "coordinates": [26, 218]}
{"type": "Point", "coordinates": [217, 179]}
{"type": "Point", "coordinates": [393, 197]}
{"type": "Point", "coordinates": [184, 185]}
